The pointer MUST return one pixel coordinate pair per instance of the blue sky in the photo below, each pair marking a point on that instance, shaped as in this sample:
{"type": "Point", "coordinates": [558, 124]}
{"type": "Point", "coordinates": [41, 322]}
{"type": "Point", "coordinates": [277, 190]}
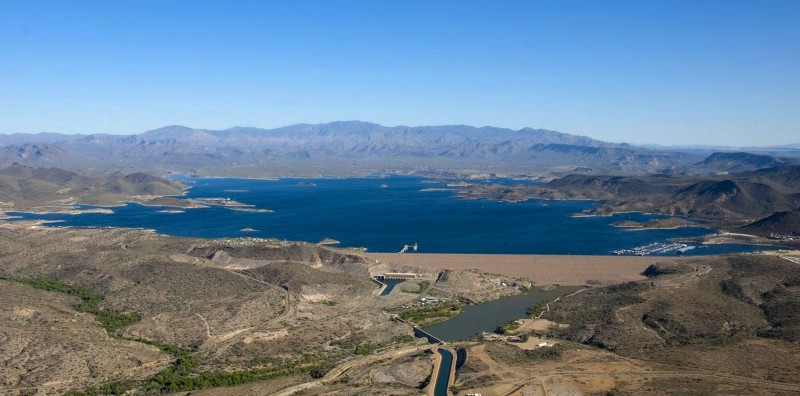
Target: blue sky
{"type": "Point", "coordinates": [672, 72]}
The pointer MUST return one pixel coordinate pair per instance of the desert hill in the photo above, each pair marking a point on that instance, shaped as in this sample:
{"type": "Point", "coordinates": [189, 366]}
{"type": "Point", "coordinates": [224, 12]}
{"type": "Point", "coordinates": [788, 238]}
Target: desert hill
{"type": "Point", "coordinates": [744, 196]}
{"type": "Point", "coordinates": [50, 175]}
{"type": "Point", "coordinates": [26, 187]}
{"type": "Point", "coordinates": [702, 313]}
{"type": "Point", "coordinates": [131, 303]}
{"type": "Point", "coordinates": [780, 223]}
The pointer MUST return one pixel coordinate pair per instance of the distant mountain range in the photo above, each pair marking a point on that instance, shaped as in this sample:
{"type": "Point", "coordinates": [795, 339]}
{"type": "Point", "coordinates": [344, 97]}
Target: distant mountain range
{"type": "Point", "coordinates": [353, 147]}
{"type": "Point", "coordinates": [337, 147]}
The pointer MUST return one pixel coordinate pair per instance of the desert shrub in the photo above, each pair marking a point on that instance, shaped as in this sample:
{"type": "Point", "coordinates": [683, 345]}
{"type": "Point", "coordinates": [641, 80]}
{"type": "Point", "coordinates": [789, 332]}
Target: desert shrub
{"type": "Point", "coordinates": [402, 339]}
{"type": "Point", "coordinates": [536, 309]}
{"type": "Point", "coordinates": [423, 285]}
{"type": "Point", "coordinates": [444, 310]}
{"type": "Point", "coordinates": [508, 328]}
{"type": "Point", "coordinates": [110, 320]}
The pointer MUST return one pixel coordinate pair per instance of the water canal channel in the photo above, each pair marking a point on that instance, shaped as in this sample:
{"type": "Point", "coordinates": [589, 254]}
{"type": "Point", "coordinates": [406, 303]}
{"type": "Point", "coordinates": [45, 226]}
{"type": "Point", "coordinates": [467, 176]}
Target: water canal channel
{"type": "Point", "coordinates": [389, 285]}
{"type": "Point", "coordinates": [443, 376]}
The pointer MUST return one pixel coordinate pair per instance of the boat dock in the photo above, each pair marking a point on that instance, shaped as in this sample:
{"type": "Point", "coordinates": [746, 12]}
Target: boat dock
{"type": "Point", "coordinates": [654, 248]}
{"type": "Point", "coordinates": [405, 248]}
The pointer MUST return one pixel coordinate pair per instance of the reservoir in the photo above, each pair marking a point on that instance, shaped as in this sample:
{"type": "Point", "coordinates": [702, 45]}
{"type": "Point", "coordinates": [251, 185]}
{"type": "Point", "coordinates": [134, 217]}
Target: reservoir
{"type": "Point", "coordinates": [383, 214]}
{"type": "Point", "coordinates": [488, 316]}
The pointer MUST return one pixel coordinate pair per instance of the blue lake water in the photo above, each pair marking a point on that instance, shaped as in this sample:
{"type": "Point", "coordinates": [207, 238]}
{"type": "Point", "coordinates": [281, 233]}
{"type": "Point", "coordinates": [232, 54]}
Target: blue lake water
{"type": "Point", "coordinates": [383, 214]}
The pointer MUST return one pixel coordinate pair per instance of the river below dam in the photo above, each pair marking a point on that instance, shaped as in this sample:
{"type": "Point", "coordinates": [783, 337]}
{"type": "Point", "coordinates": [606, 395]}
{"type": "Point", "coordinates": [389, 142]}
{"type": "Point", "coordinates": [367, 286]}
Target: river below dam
{"type": "Point", "coordinates": [488, 316]}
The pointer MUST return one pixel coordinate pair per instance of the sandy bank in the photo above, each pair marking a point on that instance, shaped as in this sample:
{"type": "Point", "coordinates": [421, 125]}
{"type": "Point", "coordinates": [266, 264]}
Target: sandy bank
{"type": "Point", "coordinates": [542, 269]}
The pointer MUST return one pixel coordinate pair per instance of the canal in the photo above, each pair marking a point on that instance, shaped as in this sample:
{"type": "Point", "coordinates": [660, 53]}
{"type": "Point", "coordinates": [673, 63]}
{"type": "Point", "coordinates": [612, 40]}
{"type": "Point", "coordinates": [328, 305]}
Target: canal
{"type": "Point", "coordinates": [443, 376]}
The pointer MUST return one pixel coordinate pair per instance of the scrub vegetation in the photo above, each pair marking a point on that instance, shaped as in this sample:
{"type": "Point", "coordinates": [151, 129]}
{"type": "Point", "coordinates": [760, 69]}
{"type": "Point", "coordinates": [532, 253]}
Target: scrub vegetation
{"type": "Point", "coordinates": [89, 300]}
{"type": "Point", "coordinates": [428, 315]}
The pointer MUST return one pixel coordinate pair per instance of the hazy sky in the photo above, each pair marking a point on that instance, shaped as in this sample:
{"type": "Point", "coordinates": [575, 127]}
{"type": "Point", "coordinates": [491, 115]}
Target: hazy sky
{"type": "Point", "coordinates": [672, 72]}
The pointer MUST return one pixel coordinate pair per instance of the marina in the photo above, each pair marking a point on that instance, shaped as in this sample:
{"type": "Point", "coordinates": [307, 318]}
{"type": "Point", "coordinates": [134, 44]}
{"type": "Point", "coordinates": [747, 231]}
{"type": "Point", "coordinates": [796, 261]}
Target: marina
{"type": "Point", "coordinates": [655, 248]}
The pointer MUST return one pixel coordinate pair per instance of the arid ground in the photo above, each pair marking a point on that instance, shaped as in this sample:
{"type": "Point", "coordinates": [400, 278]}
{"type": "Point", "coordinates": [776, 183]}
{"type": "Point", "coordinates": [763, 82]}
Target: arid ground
{"type": "Point", "coordinates": [110, 311]}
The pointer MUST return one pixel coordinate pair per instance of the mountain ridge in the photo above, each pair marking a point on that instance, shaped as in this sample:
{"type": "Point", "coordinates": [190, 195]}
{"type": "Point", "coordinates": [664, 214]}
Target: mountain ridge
{"type": "Point", "coordinates": [348, 148]}
{"type": "Point", "coordinates": [743, 161]}
{"type": "Point", "coordinates": [342, 144]}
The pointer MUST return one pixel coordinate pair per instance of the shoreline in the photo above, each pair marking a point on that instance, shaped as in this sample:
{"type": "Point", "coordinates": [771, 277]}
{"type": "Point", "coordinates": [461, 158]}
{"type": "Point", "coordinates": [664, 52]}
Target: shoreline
{"type": "Point", "coordinates": [542, 270]}
{"type": "Point", "coordinates": [565, 270]}
{"type": "Point", "coordinates": [659, 228]}
{"type": "Point", "coordinates": [66, 211]}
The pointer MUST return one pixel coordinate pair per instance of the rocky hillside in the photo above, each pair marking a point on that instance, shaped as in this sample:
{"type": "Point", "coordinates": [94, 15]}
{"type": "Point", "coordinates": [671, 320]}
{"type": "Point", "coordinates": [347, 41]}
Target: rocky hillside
{"type": "Point", "coordinates": [26, 187]}
{"type": "Point", "coordinates": [131, 311]}
{"type": "Point", "coordinates": [779, 224]}
{"type": "Point", "coordinates": [738, 313]}
{"type": "Point", "coordinates": [745, 196]}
